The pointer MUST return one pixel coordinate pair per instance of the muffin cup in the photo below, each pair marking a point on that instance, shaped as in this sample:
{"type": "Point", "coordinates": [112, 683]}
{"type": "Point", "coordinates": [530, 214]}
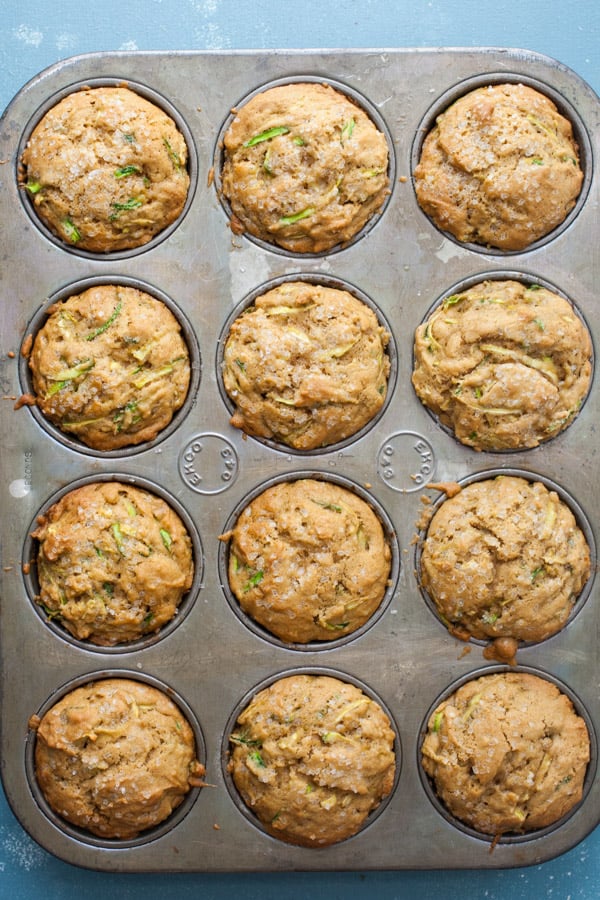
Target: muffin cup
{"type": "Point", "coordinates": [79, 834]}
{"type": "Point", "coordinates": [311, 646]}
{"type": "Point", "coordinates": [31, 583]}
{"type": "Point", "coordinates": [361, 101]}
{"type": "Point", "coordinates": [187, 332]}
{"type": "Point", "coordinates": [524, 278]}
{"type": "Point", "coordinates": [509, 838]}
{"type": "Point", "coordinates": [148, 94]}
{"type": "Point", "coordinates": [327, 282]}
{"type": "Point", "coordinates": [580, 135]}
{"type": "Point", "coordinates": [580, 518]}
{"type": "Point", "coordinates": [234, 794]}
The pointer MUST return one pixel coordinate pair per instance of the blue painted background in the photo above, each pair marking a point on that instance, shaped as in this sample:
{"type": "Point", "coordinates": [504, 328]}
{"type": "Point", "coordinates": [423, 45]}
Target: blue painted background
{"type": "Point", "coordinates": [35, 34]}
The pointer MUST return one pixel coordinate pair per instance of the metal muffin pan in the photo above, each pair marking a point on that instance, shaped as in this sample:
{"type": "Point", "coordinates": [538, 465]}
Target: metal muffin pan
{"type": "Point", "coordinates": [212, 660]}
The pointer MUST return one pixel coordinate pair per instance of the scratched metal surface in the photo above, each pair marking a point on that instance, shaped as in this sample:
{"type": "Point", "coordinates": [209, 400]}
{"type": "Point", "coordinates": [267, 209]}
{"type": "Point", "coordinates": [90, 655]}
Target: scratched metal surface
{"type": "Point", "coordinates": [213, 659]}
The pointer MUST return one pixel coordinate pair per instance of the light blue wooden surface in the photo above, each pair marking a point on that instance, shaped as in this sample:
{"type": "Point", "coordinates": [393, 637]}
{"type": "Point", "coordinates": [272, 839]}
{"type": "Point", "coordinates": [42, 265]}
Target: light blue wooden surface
{"type": "Point", "coordinates": [35, 34]}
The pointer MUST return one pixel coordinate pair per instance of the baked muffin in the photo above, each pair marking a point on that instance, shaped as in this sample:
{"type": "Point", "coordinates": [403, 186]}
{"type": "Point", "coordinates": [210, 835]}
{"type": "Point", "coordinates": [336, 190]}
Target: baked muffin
{"type": "Point", "coordinates": [304, 167]}
{"type": "Point", "coordinates": [308, 560]}
{"type": "Point", "coordinates": [503, 364]}
{"type": "Point", "coordinates": [504, 557]}
{"type": "Point", "coordinates": [306, 365]}
{"type": "Point", "coordinates": [312, 756]}
{"type": "Point", "coordinates": [507, 753]}
{"type": "Point", "coordinates": [106, 169]}
{"type": "Point", "coordinates": [113, 562]}
{"type": "Point", "coordinates": [500, 167]}
{"type": "Point", "coordinates": [110, 366]}
{"type": "Point", "coordinates": [115, 757]}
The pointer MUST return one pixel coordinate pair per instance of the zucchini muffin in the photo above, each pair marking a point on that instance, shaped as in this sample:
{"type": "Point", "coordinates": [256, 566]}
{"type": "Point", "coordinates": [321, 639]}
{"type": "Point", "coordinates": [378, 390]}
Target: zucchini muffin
{"type": "Point", "coordinates": [308, 560]}
{"type": "Point", "coordinates": [110, 367]}
{"type": "Point", "coordinates": [499, 168]}
{"type": "Point", "coordinates": [113, 562]}
{"type": "Point", "coordinates": [106, 169]}
{"type": "Point", "coordinates": [507, 752]}
{"type": "Point", "coordinates": [504, 558]}
{"type": "Point", "coordinates": [311, 757]}
{"type": "Point", "coordinates": [115, 757]}
{"type": "Point", "coordinates": [503, 364]}
{"type": "Point", "coordinates": [306, 365]}
{"type": "Point", "coordinates": [304, 167]}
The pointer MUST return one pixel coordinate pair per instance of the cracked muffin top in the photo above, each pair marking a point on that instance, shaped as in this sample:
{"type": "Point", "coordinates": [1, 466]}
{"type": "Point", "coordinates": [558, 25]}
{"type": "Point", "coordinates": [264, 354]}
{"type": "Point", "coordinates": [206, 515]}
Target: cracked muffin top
{"type": "Point", "coordinates": [309, 560]}
{"type": "Point", "coordinates": [113, 562]}
{"type": "Point", "coordinates": [507, 752]}
{"type": "Point", "coordinates": [500, 167]}
{"type": "Point", "coordinates": [504, 558]}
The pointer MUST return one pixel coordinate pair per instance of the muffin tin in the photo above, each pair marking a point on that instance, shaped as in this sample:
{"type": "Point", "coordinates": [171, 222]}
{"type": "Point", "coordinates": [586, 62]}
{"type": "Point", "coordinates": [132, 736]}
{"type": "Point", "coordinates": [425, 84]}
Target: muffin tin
{"type": "Point", "coordinates": [212, 659]}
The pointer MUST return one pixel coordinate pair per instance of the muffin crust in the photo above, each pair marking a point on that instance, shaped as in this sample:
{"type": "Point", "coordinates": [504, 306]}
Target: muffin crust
{"type": "Point", "coordinates": [110, 366]}
{"type": "Point", "coordinates": [505, 557]}
{"type": "Point", "coordinates": [312, 756]}
{"type": "Point", "coordinates": [309, 561]}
